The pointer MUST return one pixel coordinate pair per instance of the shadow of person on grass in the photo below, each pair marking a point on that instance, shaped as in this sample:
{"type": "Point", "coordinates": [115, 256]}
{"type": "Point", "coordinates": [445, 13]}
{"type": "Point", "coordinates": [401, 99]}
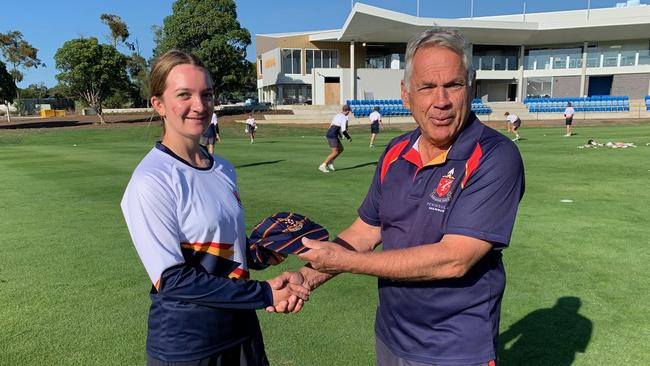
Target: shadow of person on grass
{"type": "Point", "coordinates": [358, 166]}
{"type": "Point", "coordinates": [546, 336]}
{"type": "Point", "coordinates": [259, 163]}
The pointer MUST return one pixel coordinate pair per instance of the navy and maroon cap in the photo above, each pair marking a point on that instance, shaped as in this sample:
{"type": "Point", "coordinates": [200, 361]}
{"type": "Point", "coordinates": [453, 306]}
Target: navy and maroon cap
{"type": "Point", "coordinates": [282, 233]}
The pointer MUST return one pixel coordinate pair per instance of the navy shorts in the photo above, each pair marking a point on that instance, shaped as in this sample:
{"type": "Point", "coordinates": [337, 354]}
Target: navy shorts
{"type": "Point", "coordinates": [568, 121]}
{"type": "Point", "coordinates": [249, 353]}
{"type": "Point", "coordinates": [334, 142]}
{"type": "Point", "coordinates": [385, 357]}
{"type": "Point", "coordinates": [374, 127]}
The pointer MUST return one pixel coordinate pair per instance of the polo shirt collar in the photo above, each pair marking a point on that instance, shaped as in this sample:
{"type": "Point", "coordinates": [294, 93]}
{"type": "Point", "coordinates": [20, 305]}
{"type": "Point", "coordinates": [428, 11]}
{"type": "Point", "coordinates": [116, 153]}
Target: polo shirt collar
{"type": "Point", "coordinates": [461, 148]}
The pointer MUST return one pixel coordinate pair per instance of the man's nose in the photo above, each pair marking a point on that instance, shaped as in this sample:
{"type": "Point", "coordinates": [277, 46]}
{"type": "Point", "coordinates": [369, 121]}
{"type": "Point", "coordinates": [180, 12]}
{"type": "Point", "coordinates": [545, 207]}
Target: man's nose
{"type": "Point", "coordinates": [441, 97]}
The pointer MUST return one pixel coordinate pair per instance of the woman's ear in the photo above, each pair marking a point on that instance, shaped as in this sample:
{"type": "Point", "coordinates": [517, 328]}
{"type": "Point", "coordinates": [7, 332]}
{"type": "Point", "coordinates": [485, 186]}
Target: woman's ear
{"type": "Point", "coordinates": [158, 105]}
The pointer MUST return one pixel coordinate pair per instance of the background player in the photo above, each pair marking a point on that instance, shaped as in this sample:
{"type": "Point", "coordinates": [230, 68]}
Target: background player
{"type": "Point", "coordinates": [338, 127]}
{"type": "Point", "coordinates": [375, 124]}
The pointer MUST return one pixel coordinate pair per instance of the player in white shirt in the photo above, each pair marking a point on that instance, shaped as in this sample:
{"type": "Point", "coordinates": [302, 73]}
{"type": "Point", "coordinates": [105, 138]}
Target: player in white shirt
{"type": "Point", "coordinates": [251, 127]}
{"type": "Point", "coordinates": [512, 124]}
{"type": "Point", "coordinates": [338, 127]}
{"type": "Point", "coordinates": [211, 133]}
{"type": "Point", "coordinates": [568, 118]}
{"type": "Point", "coordinates": [186, 221]}
{"type": "Point", "coordinates": [375, 124]}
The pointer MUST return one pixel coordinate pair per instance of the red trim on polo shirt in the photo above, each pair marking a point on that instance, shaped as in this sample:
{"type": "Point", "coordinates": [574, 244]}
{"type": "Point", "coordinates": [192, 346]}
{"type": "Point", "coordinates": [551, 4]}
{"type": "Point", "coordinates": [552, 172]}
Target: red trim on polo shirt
{"type": "Point", "coordinates": [391, 156]}
{"type": "Point", "coordinates": [413, 156]}
{"type": "Point", "coordinates": [472, 164]}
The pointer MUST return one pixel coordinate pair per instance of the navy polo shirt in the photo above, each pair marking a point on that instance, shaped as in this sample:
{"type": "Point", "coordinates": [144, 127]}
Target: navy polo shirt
{"type": "Point", "coordinates": [473, 191]}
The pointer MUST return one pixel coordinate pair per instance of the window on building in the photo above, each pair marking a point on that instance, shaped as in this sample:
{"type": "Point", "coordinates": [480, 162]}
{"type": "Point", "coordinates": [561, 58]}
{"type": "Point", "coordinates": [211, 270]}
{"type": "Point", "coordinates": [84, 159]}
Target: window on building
{"type": "Point", "coordinates": [290, 61]}
{"type": "Point", "coordinates": [321, 59]}
{"type": "Point", "coordinates": [539, 87]}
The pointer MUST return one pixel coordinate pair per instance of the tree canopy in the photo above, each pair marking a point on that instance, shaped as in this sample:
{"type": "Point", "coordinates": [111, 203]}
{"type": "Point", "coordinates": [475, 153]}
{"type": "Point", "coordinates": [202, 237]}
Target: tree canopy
{"type": "Point", "coordinates": [7, 85]}
{"type": "Point", "coordinates": [210, 30]}
{"type": "Point", "coordinates": [91, 70]}
{"type": "Point", "coordinates": [18, 53]}
{"type": "Point", "coordinates": [119, 29]}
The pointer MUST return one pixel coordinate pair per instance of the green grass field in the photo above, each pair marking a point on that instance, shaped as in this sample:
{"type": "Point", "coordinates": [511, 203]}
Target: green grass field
{"type": "Point", "coordinates": [73, 291]}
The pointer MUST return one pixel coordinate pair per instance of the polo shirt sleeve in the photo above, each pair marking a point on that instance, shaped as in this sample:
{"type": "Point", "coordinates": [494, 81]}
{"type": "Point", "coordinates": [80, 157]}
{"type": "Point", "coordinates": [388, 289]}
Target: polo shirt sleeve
{"type": "Point", "coordinates": [369, 209]}
{"type": "Point", "coordinates": [487, 206]}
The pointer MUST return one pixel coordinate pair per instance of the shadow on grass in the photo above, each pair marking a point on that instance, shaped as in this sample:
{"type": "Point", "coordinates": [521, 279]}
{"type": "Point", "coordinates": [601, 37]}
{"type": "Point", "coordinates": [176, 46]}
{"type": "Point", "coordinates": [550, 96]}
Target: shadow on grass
{"type": "Point", "coordinates": [550, 336]}
{"type": "Point", "coordinates": [259, 163]}
{"type": "Point", "coordinates": [266, 142]}
{"type": "Point", "coordinates": [357, 166]}
{"type": "Point", "coordinates": [50, 124]}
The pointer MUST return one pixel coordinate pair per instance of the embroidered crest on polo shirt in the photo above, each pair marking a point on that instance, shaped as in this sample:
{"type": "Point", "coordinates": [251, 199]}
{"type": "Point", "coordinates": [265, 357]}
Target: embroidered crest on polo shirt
{"type": "Point", "coordinates": [444, 186]}
{"type": "Point", "coordinates": [442, 194]}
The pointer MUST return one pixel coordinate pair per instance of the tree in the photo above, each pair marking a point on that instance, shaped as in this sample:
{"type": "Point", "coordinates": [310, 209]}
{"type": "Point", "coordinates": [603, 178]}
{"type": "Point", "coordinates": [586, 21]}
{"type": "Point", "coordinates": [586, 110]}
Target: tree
{"type": "Point", "coordinates": [138, 69]}
{"type": "Point", "coordinates": [119, 30]}
{"type": "Point", "coordinates": [209, 29]}
{"type": "Point", "coordinates": [7, 88]}
{"type": "Point", "coordinates": [39, 90]}
{"type": "Point", "coordinates": [91, 71]}
{"type": "Point", "coordinates": [19, 53]}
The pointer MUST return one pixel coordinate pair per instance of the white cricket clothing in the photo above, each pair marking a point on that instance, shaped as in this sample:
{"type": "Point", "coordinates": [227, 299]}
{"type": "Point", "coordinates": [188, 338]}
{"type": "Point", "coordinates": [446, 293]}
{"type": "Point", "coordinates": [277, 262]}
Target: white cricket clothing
{"type": "Point", "coordinates": [569, 112]}
{"type": "Point", "coordinates": [340, 120]}
{"type": "Point", "coordinates": [214, 119]}
{"type": "Point", "coordinates": [512, 118]}
{"type": "Point", "coordinates": [250, 122]}
{"type": "Point", "coordinates": [374, 116]}
{"type": "Point", "coordinates": [169, 205]}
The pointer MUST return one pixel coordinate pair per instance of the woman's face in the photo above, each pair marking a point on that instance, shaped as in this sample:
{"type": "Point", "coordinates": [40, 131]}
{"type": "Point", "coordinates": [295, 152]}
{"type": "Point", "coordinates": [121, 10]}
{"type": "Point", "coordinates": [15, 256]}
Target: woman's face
{"type": "Point", "coordinates": [187, 102]}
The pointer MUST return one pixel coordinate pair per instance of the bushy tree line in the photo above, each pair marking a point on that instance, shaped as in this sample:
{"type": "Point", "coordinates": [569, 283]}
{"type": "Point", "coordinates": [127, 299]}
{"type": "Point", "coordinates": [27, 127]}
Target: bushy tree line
{"type": "Point", "coordinates": [100, 75]}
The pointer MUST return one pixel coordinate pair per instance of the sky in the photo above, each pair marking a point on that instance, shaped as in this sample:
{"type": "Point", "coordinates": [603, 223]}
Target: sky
{"type": "Point", "coordinates": [47, 24]}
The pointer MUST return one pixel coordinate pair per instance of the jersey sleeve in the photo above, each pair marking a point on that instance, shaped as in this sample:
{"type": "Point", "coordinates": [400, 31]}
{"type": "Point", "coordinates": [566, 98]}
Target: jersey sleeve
{"type": "Point", "coordinates": [487, 206]}
{"type": "Point", "coordinates": [193, 284]}
{"type": "Point", "coordinates": [150, 214]}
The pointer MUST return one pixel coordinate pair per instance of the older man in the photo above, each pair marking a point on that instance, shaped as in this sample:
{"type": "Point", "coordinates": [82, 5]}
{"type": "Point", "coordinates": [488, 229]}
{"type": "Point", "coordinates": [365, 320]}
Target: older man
{"type": "Point", "coordinates": [443, 203]}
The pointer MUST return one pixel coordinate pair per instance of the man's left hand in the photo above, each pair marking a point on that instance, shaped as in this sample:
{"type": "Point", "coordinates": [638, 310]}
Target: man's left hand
{"type": "Point", "coordinates": [326, 256]}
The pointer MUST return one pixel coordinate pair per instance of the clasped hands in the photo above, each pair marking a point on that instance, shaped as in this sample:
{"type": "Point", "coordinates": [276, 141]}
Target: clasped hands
{"type": "Point", "coordinates": [291, 290]}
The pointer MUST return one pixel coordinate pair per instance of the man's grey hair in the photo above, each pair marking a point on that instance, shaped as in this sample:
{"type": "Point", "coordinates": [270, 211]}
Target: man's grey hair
{"type": "Point", "coordinates": [438, 37]}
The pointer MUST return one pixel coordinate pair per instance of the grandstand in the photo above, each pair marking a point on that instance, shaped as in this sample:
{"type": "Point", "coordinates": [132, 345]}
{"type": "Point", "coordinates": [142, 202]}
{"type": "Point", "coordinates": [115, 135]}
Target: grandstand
{"type": "Point", "coordinates": [598, 103]}
{"type": "Point", "coordinates": [531, 63]}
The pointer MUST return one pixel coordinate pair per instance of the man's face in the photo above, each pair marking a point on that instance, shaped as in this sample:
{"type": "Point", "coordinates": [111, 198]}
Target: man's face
{"type": "Point", "coordinates": [438, 95]}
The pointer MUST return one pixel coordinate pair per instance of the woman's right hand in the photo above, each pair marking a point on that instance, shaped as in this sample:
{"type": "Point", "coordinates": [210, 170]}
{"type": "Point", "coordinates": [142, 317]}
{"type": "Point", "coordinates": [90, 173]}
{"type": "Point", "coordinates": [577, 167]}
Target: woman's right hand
{"type": "Point", "coordinates": [289, 293]}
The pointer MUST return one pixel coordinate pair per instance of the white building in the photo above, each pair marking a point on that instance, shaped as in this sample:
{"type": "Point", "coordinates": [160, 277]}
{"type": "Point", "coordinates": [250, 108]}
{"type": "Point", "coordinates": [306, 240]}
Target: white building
{"type": "Point", "coordinates": [557, 54]}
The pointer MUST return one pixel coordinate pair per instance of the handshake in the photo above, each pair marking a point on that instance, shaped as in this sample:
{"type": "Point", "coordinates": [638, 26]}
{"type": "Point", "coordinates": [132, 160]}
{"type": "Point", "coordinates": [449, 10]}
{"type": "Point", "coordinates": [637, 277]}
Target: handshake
{"type": "Point", "coordinates": [290, 291]}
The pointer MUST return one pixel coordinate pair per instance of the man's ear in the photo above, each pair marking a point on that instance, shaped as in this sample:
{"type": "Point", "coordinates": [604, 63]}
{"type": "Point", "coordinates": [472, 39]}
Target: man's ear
{"type": "Point", "coordinates": [405, 95]}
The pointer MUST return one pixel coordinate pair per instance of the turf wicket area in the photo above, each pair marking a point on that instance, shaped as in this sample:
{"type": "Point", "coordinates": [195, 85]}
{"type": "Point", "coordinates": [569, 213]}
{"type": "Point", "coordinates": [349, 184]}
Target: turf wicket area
{"type": "Point", "coordinates": [73, 291]}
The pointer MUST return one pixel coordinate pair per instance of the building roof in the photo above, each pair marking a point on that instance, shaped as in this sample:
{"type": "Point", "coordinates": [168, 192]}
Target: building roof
{"type": "Point", "coordinates": [372, 24]}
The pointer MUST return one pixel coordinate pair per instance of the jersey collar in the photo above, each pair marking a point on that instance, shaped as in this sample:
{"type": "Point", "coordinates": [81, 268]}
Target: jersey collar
{"type": "Point", "coordinates": [204, 151]}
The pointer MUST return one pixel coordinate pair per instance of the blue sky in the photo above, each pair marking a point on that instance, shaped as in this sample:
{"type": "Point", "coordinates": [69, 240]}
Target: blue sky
{"type": "Point", "coordinates": [47, 24]}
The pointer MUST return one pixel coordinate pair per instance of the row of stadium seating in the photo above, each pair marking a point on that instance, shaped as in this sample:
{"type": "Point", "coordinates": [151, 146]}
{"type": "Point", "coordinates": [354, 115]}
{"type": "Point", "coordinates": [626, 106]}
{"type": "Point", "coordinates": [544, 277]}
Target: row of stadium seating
{"type": "Point", "coordinates": [479, 108]}
{"type": "Point", "coordinates": [394, 107]}
{"type": "Point", "coordinates": [373, 102]}
{"type": "Point", "coordinates": [647, 102]}
{"type": "Point", "coordinates": [387, 107]}
{"type": "Point", "coordinates": [596, 103]}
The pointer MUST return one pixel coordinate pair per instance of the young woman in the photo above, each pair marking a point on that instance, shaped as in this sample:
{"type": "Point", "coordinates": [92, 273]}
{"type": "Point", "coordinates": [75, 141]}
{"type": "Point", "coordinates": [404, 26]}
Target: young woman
{"type": "Point", "coordinates": [186, 220]}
